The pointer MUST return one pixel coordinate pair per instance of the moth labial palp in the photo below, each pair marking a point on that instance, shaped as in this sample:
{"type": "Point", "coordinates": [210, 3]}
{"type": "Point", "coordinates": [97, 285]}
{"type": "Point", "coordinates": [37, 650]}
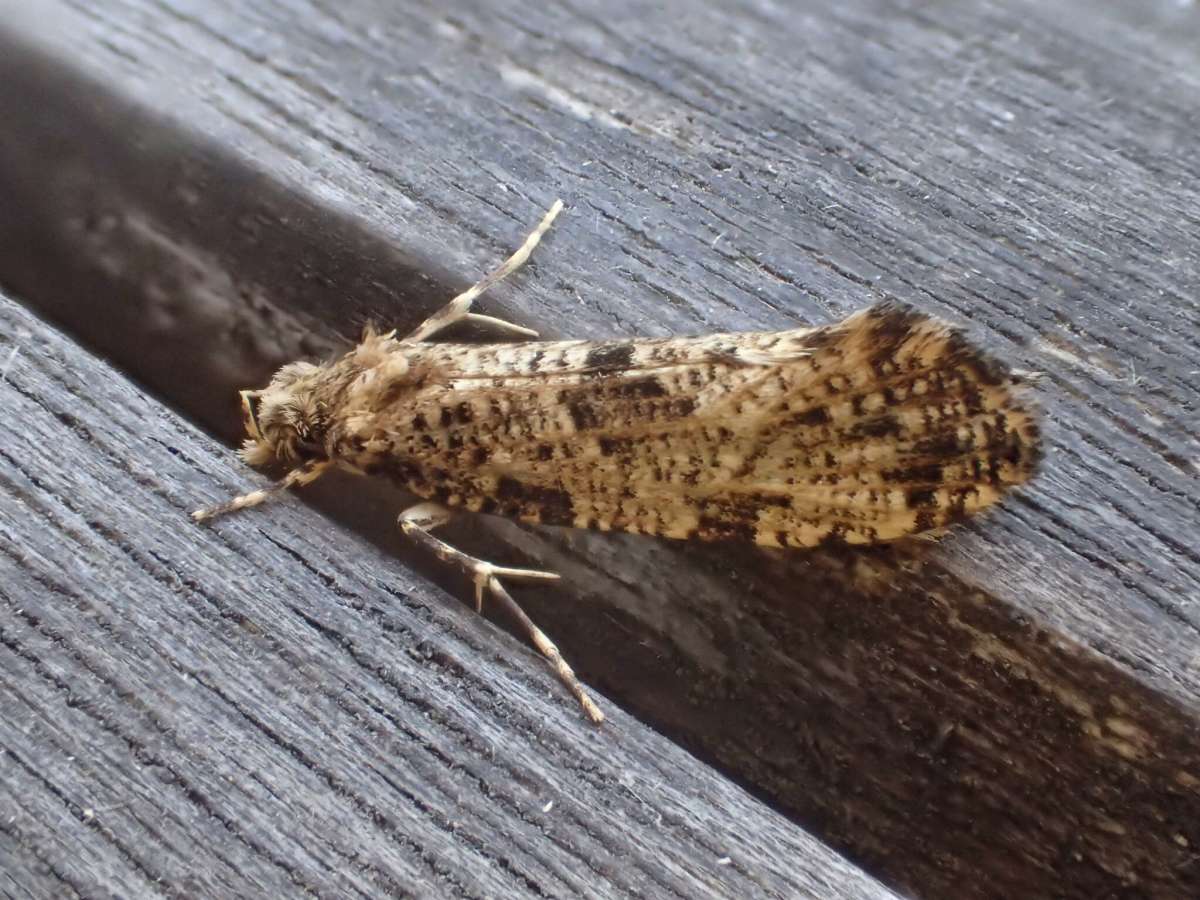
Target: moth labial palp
{"type": "Point", "coordinates": [882, 426]}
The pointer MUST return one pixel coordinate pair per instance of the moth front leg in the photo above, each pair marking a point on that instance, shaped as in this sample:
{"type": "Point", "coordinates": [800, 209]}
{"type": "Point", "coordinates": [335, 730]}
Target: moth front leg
{"type": "Point", "coordinates": [458, 309]}
{"type": "Point", "coordinates": [418, 522]}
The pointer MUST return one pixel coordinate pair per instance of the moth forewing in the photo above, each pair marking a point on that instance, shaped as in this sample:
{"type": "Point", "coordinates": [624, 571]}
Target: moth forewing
{"type": "Point", "coordinates": [885, 425]}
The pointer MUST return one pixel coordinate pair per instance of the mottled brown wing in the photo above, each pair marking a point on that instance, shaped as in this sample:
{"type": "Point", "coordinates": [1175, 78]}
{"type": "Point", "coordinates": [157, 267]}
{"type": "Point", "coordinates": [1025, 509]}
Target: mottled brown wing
{"type": "Point", "coordinates": [885, 425]}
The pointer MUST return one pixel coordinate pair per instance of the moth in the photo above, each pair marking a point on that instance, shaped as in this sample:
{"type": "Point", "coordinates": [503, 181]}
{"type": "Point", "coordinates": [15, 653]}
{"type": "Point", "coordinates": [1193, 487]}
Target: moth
{"type": "Point", "coordinates": [885, 425]}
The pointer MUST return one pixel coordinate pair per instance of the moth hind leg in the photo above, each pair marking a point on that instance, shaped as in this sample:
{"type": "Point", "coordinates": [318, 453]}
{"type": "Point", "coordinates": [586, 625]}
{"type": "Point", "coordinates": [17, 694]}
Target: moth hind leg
{"type": "Point", "coordinates": [458, 309]}
{"type": "Point", "coordinates": [417, 522]}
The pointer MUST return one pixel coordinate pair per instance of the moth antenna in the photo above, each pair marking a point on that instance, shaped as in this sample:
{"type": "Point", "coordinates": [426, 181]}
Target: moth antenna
{"type": "Point", "coordinates": [301, 475]}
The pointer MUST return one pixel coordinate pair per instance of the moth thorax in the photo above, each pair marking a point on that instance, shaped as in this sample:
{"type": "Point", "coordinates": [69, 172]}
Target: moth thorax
{"type": "Point", "coordinates": [394, 368]}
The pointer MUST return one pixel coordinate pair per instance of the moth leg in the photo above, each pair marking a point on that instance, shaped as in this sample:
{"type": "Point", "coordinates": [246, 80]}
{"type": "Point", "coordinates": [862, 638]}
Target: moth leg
{"type": "Point", "coordinates": [459, 308]}
{"type": "Point", "coordinates": [298, 477]}
{"type": "Point", "coordinates": [418, 522]}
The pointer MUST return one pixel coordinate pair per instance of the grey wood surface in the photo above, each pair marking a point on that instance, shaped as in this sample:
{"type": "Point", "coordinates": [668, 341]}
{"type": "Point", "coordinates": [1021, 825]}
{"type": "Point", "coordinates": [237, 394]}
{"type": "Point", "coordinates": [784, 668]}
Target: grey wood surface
{"type": "Point", "coordinates": [1012, 712]}
{"type": "Point", "coordinates": [275, 708]}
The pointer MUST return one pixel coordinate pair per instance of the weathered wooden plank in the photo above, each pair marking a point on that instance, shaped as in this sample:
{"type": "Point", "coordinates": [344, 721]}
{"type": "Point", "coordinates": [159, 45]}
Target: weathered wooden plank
{"type": "Point", "coordinates": [274, 707]}
{"type": "Point", "coordinates": [1018, 703]}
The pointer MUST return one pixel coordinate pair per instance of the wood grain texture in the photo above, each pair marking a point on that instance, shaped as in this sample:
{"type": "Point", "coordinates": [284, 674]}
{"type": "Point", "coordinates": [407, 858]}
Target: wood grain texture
{"type": "Point", "coordinates": [272, 707]}
{"type": "Point", "coordinates": [1010, 713]}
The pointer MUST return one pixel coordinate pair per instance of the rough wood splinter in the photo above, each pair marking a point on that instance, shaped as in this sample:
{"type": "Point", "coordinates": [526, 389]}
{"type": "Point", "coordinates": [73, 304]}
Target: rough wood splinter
{"type": "Point", "coordinates": [885, 425]}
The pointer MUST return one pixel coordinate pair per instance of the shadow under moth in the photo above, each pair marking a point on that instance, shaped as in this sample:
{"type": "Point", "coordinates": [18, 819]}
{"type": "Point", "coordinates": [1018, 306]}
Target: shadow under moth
{"type": "Point", "coordinates": [882, 426]}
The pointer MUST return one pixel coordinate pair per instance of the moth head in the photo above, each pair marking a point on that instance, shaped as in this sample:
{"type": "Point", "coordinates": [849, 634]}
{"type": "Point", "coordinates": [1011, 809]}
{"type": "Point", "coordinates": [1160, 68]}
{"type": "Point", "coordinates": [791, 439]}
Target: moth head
{"type": "Point", "coordinates": [284, 421]}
